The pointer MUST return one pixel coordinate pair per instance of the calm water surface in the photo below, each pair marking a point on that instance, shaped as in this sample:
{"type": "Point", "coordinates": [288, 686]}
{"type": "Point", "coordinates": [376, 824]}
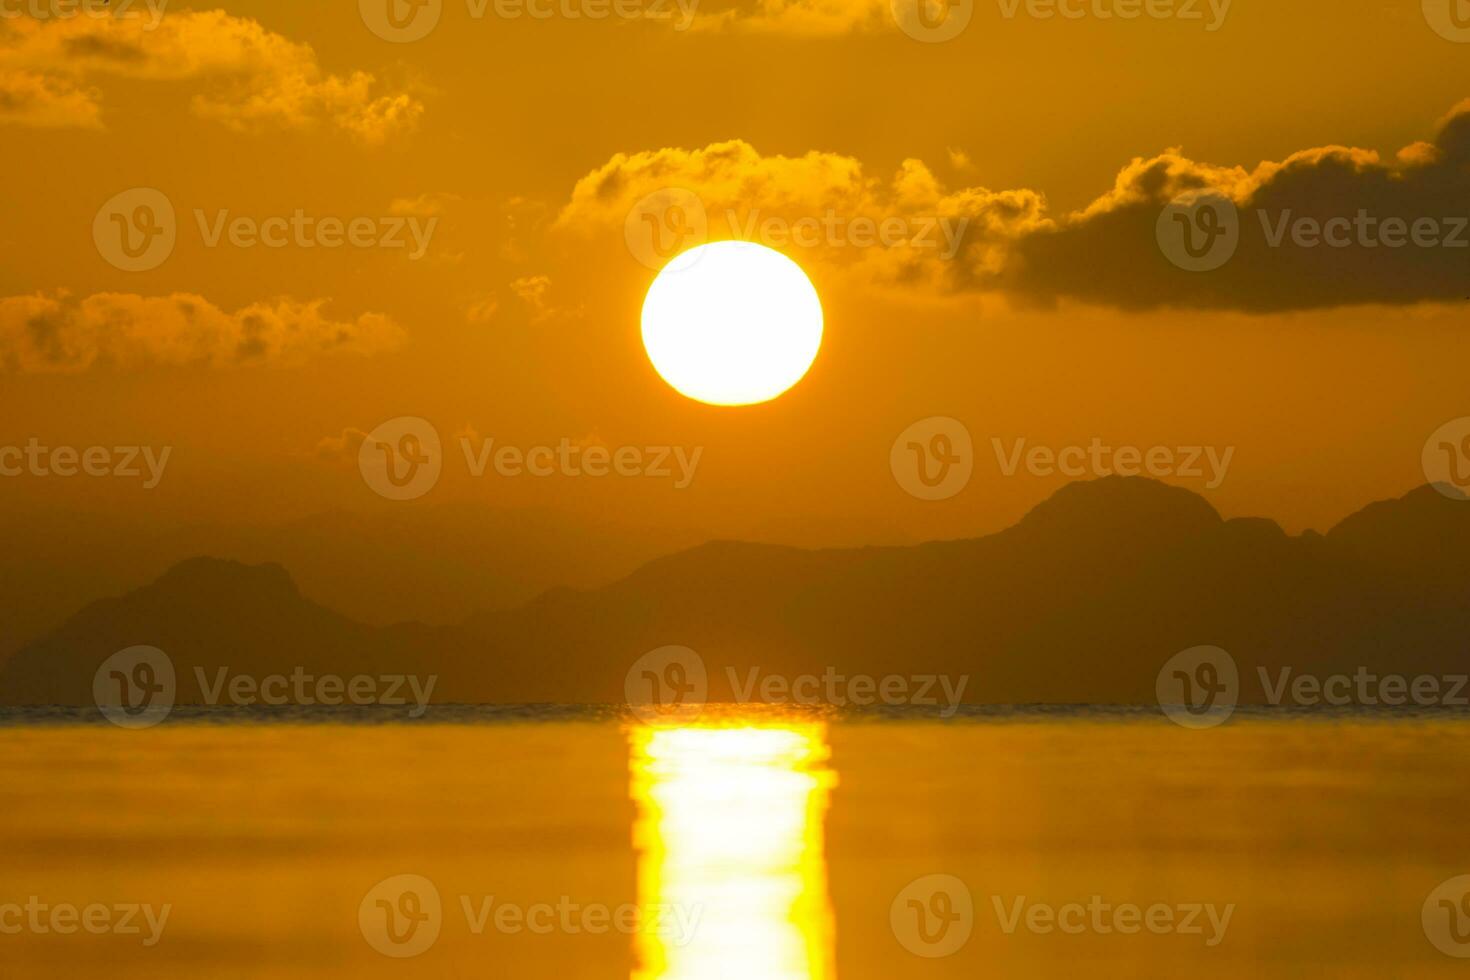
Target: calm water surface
{"type": "Point", "coordinates": [758, 847]}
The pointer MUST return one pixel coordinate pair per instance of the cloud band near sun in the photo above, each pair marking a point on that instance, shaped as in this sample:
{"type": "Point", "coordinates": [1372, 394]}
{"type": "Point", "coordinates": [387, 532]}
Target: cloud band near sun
{"type": "Point", "coordinates": [1107, 253]}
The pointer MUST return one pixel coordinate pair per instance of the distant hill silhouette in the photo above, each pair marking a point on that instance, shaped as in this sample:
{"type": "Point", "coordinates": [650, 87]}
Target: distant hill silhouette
{"type": "Point", "coordinates": [1082, 601]}
{"type": "Point", "coordinates": [438, 563]}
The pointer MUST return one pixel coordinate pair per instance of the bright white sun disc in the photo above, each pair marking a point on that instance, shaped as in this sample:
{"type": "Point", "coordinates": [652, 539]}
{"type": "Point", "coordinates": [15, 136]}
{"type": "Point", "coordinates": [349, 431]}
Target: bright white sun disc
{"type": "Point", "coordinates": [732, 323]}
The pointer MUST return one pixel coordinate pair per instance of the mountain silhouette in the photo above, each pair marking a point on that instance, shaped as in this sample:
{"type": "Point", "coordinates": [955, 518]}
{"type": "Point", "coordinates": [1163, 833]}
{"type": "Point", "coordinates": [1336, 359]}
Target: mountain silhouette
{"type": "Point", "coordinates": [437, 563]}
{"type": "Point", "coordinates": [1082, 601]}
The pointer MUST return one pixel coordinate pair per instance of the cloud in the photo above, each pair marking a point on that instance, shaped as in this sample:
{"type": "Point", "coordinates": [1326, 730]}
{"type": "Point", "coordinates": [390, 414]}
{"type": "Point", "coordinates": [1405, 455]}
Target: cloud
{"type": "Point", "coordinates": [1109, 253]}
{"type": "Point", "coordinates": [482, 311]}
{"type": "Point", "coordinates": [826, 200]}
{"type": "Point", "coordinates": [531, 290]}
{"type": "Point", "coordinates": [344, 446]}
{"type": "Point", "coordinates": [59, 333]}
{"type": "Point", "coordinates": [253, 78]}
{"type": "Point", "coordinates": [428, 205]}
{"type": "Point", "coordinates": [32, 99]}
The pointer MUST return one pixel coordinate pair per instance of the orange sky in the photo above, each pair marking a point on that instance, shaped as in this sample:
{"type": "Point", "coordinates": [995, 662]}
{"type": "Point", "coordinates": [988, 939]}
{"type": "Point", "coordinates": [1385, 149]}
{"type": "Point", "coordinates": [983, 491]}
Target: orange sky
{"type": "Point", "coordinates": [526, 140]}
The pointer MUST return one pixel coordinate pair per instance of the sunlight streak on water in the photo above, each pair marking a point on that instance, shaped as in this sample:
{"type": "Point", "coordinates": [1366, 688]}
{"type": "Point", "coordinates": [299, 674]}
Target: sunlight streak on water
{"type": "Point", "coordinates": [730, 827]}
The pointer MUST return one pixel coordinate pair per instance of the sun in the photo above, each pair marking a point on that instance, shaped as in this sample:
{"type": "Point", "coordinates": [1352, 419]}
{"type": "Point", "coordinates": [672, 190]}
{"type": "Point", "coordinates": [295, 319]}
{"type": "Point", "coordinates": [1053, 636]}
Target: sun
{"type": "Point", "coordinates": [732, 323]}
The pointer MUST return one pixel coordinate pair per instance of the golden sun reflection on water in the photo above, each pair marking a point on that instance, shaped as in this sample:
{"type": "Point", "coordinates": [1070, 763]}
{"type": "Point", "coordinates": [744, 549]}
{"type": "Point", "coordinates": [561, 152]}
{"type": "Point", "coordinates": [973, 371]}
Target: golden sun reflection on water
{"type": "Point", "coordinates": [730, 831]}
